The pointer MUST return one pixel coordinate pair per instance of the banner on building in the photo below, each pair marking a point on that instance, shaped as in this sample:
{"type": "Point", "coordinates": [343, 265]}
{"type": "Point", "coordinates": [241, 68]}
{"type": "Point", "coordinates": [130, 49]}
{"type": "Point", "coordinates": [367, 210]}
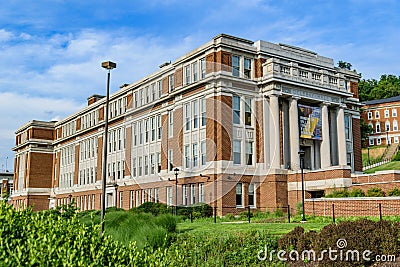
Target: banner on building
{"type": "Point", "coordinates": [310, 122]}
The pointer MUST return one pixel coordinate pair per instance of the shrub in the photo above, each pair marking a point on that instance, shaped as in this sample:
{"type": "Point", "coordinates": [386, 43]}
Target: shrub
{"type": "Point", "coordinates": [397, 156]}
{"type": "Point", "coordinates": [278, 213]}
{"type": "Point", "coordinates": [166, 221]}
{"type": "Point", "coordinates": [153, 208]}
{"type": "Point", "coordinates": [395, 192]}
{"type": "Point", "coordinates": [375, 192]}
{"type": "Point", "coordinates": [381, 238]}
{"type": "Point", "coordinates": [338, 193]}
{"type": "Point", "coordinates": [356, 192]}
{"type": "Point", "coordinates": [199, 210]}
{"type": "Point", "coordinates": [230, 217]}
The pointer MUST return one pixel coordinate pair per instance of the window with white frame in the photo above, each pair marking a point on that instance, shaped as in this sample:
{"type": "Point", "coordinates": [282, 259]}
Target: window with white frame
{"type": "Point", "coordinates": [171, 82]}
{"type": "Point", "coordinates": [156, 199]}
{"type": "Point", "coordinates": [169, 195]}
{"type": "Point", "coordinates": [184, 195]}
{"type": "Point", "coordinates": [170, 123]}
{"type": "Point", "coordinates": [249, 153]}
{"type": "Point", "coordinates": [187, 116]}
{"type": "Point", "coordinates": [146, 130]}
{"type": "Point", "coordinates": [195, 72]}
{"type": "Point", "coordinates": [235, 65]}
{"type": "Point", "coordinates": [377, 115]}
{"type": "Point", "coordinates": [153, 91]}
{"type": "Point", "coordinates": [146, 165]}
{"type": "Point", "coordinates": [247, 111]}
{"type": "Point", "coordinates": [150, 195]}
{"type": "Point", "coordinates": [195, 105]}
{"type": "Point", "coordinates": [131, 199]}
{"type": "Point", "coordinates": [152, 163]}
{"type": "Point", "coordinates": [187, 156]}
{"type": "Point", "coordinates": [247, 68]}
{"type": "Point", "coordinates": [371, 141]}
{"type": "Point", "coordinates": [386, 114]}
{"type": "Point", "coordinates": [347, 126]}
{"type": "Point", "coordinates": [203, 112]}
{"type": "Point", "coordinates": [135, 99]}
{"type": "Point", "coordinates": [378, 127]}
{"type": "Point", "coordinates": [159, 88]}
{"type": "Point", "coordinates": [239, 194]}
{"type": "Point", "coordinates": [251, 195]}
{"type": "Point", "coordinates": [141, 93]}
{"type": "Point", "coordinates": [192, 194]}
{"type": "Point", "coordinates": [203, 68]}
{"type": "Point", "coordinates": [394, 112]}
{"type": "Point", "coordinates": [203, 153]}
{"type": "Point", "coordinates": [159, 127]}
{"type": "Point", "coordinates": [395, 126]}
{"type": "Point", "coordinates": [195, 155]}
{"type": "Point", "coordinates": [135, 134]}
{"type": "Point", "coordinates": [201, 192]}
{"type": "Point", "coordinates": [140, 167]}
{"type": "Point", "coordinates": [134, 167]}
{"type": "Point", "coordinates": [378, 141]}
{"type": "Point", "coordinates": [187, 74]}
{"type": "Point", "coordinates": [137, 198]}
{"type": "Point", "coordinates": [387, 126]}
{"type": "Point", "coordinates": [237, 152]}
{"type": "Point", "coordinates": [396, 139]}
{"type": "Point", "coordinates": [153, 128]}
{"type": "Point", "coordinates": [236, 109]}
{"type": "Point", "coordinates": [140, 130]}
{"type": "Point", "coordinates": [144, 196]}
{"type": "Point", "coordinates": [158, 162]}
{"type": "Point", "coordinates": [120, 199]}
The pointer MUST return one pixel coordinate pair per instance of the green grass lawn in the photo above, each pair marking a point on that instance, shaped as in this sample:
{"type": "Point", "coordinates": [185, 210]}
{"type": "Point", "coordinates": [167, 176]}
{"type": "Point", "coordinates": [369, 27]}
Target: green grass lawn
{"type": "Point", "coordinates": [394, 165]}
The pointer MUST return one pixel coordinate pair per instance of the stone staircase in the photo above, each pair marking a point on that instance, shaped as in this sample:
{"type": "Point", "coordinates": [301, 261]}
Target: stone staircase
{"type": "Point", "coordinates": [390, 152]}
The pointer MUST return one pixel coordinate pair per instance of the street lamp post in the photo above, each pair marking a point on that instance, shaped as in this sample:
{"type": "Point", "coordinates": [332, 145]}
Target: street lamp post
{"type": "Point", "coordinates": [108, 65]}
{"type": "Point", "coordinates": [301, 154]}
{"type": "Point", "coordinates": [176, 171]}
{"type": "Point", "coordinates": [387, 139]}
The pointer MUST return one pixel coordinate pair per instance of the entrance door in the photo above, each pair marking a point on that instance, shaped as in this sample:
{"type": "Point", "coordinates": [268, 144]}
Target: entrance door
{"type": "Point", "coordinates": [307, 157]}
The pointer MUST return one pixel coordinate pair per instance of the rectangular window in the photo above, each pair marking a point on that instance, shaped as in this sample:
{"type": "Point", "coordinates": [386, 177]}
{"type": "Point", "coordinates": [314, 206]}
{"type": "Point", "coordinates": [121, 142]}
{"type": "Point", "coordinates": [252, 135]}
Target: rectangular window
{"type": "Point", "coordinates": [395, 126]}
{"type": "Point", "coordinates": [192, 194]}
{"type": "Point", "coordinates": [119, 139]}
{"type": "Point", "coordinates": [249, 153]}
{"type": "Point", "coordinates": [349, 159]}
{"type": "Point", "coordinates": [118, 170]}
{"type": "Point", "coordinates": [170, 123]}
{"type": "Point", "coordinates": [134, 167]}
{"type": "Point", "coordinates": [239, 194]}
{"type": "Point", "coordinates": [378, 127]}
{"type": "Point", "coordinates": [251, 195]}
{"type": "Point", "coordinates": [153, 92]}
{"type": "Point", "coordinates": [159, 88]}
{"type": "Point", "coordinates": [247, 68]}
{"type": "Point", "coordinates": [235, 66]}
{"type": "Point", "coordinates": [203, 152]}
{"type": "Point", "coordinates": [236, 109]}
{"type": "Point", "coordinates": [152, 163]}
{"type": "Point", "coordinates": [394, 112]}
{"type": "Point", "coordinates": [386, 113]}
{"type": "Point", "coordinates": [187, 117]}
{"type": "Point", "coordinates": [387, 126]}
{"type": "Point", "coordinates": [195, 155]}
{"type": "Point", "coordinates": [169, 195]}
{"type": "Point", "coordinates": [146, 165]}
{"type": "Point", "coordinates": [187, 156]}
{"type": "Point", "coordinates": [140, 169]}
{"type": "Point", "coordinates": [153, 128]}
{"type": "Point", "coordinates": [150, 195]}
{"type": "Point", "coordinates": [146, 127]}
{"type": "Point", "coordinates": [131, 199]}
{"type": "Point", "coordinates": [378, 141]}
{"type": "Point", "coordinates": [144, 196]}
{"type": "Point", "coordinates": [187, 74]}
{"type": "Point", "coordinates": [135, 134]}
{"type": "Point", "coordinates": [158, 162]}
{"type": "Point", "coordinates": [170, 159]}
{"type": "Point", "coordinates": [184, 195]}
{"type": "Point", "coordinates": [195, 71]}
{"type": "Point", "coordinates": [141, 97]}
{"type": "Point", "coordinates": [120, 199]}
{"type": "Point", "coordinates": [140, 126]}
{"type": "Point", "coordinates": [171, 82]}
{"type": "Point", "coordinates": [135, 105]}
{"type": "Point", "coordinates": [137, 196]}
{"type": "Point", "coordinates": [203, 112]}
{"type": "Point", "coordinates": [159, 127]}
{"type": "Point", "coordinates": [201, 192]}
{"type": "Point", "coordinates": [371, 142]}
{"type": "Point", "coordinates": [396, 139]}
{"type": "Point", "coordinates": [247, 111]}
{"type": "Point", "coordinates": [203, 68]}
{"type": "Point", "coordinates": [377, 115]}
{"type": "Point", "coordinates": [156, 199]}
{"type": "Point", "coordinates": [237, 152]}
{"type": "Point", "coordinates": [195, 114]}
{"type": "Point", "coordinates": [347, 126]}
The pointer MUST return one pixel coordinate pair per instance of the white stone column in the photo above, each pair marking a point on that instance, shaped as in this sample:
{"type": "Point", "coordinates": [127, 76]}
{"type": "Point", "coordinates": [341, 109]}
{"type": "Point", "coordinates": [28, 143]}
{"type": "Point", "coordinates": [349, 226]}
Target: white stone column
{"type": "Point", "coordinates": [326, 143]}
{"type": "Point", "coordinates": [294, 134]}
{"type": "Point", "coordinates": [275, 154]}
{"type": "Point", "coordinates": [341, 136]}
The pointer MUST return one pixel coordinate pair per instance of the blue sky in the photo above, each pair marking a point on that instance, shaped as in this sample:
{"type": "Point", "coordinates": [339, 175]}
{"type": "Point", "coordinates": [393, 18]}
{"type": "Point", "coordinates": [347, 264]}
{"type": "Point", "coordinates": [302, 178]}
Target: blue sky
{"type": "Point", "coordinates": [51, 50]}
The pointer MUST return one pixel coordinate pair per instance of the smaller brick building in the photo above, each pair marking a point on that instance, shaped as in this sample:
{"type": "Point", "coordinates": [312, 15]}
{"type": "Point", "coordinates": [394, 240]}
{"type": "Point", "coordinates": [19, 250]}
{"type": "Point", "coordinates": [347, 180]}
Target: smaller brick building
{"type": "Point", "coordinates": [381, 115]}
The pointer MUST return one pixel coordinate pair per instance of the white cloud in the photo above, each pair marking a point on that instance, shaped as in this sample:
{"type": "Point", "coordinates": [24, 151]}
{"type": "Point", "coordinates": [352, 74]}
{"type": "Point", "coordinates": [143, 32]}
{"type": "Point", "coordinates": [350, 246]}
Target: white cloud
{"type": "Point", "coordinates": [5, 35]}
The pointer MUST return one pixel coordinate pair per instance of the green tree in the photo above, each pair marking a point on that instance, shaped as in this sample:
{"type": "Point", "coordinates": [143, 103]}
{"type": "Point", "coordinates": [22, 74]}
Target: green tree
{"type": "Point", "coordinates": [371, 89]}
{"type": "Point", "coordinates": [344, 65]}
{"type": "Point", "coordinates": [366, 130]}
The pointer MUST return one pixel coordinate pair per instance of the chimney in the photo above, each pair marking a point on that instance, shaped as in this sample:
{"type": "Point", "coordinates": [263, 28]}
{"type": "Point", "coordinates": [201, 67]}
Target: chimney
{"type": "Point", "coordinates": [93, 98]}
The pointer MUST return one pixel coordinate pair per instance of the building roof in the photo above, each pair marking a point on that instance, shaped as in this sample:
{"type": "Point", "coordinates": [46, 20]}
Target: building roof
{"type": "Point", "coordinates": [381, 101]}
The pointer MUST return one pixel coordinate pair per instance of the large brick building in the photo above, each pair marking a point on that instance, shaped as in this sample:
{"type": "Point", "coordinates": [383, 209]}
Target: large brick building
{"type": "Point", "coordinates": [381, 115]}
{"type": "Point", "coordinates": [234, 110]}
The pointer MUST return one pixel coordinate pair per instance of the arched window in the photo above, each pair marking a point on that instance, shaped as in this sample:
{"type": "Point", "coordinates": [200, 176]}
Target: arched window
{"type": "Point", "coordinates": [395, 126]}
{"type": "Point", "coordinates": [378, 127]}
{"type": "Point", "coordinates": [387, 126]}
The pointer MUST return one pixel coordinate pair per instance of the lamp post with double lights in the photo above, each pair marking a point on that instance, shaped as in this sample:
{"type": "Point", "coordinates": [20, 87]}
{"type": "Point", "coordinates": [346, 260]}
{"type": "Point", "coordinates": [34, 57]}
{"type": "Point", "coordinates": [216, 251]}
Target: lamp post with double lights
{"type": "Point", "coordinates": [108, 65]}
{"type": "Point", "coordinates": [176, 172]}
{"type": "Point", "coordinates": [301, 154]}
